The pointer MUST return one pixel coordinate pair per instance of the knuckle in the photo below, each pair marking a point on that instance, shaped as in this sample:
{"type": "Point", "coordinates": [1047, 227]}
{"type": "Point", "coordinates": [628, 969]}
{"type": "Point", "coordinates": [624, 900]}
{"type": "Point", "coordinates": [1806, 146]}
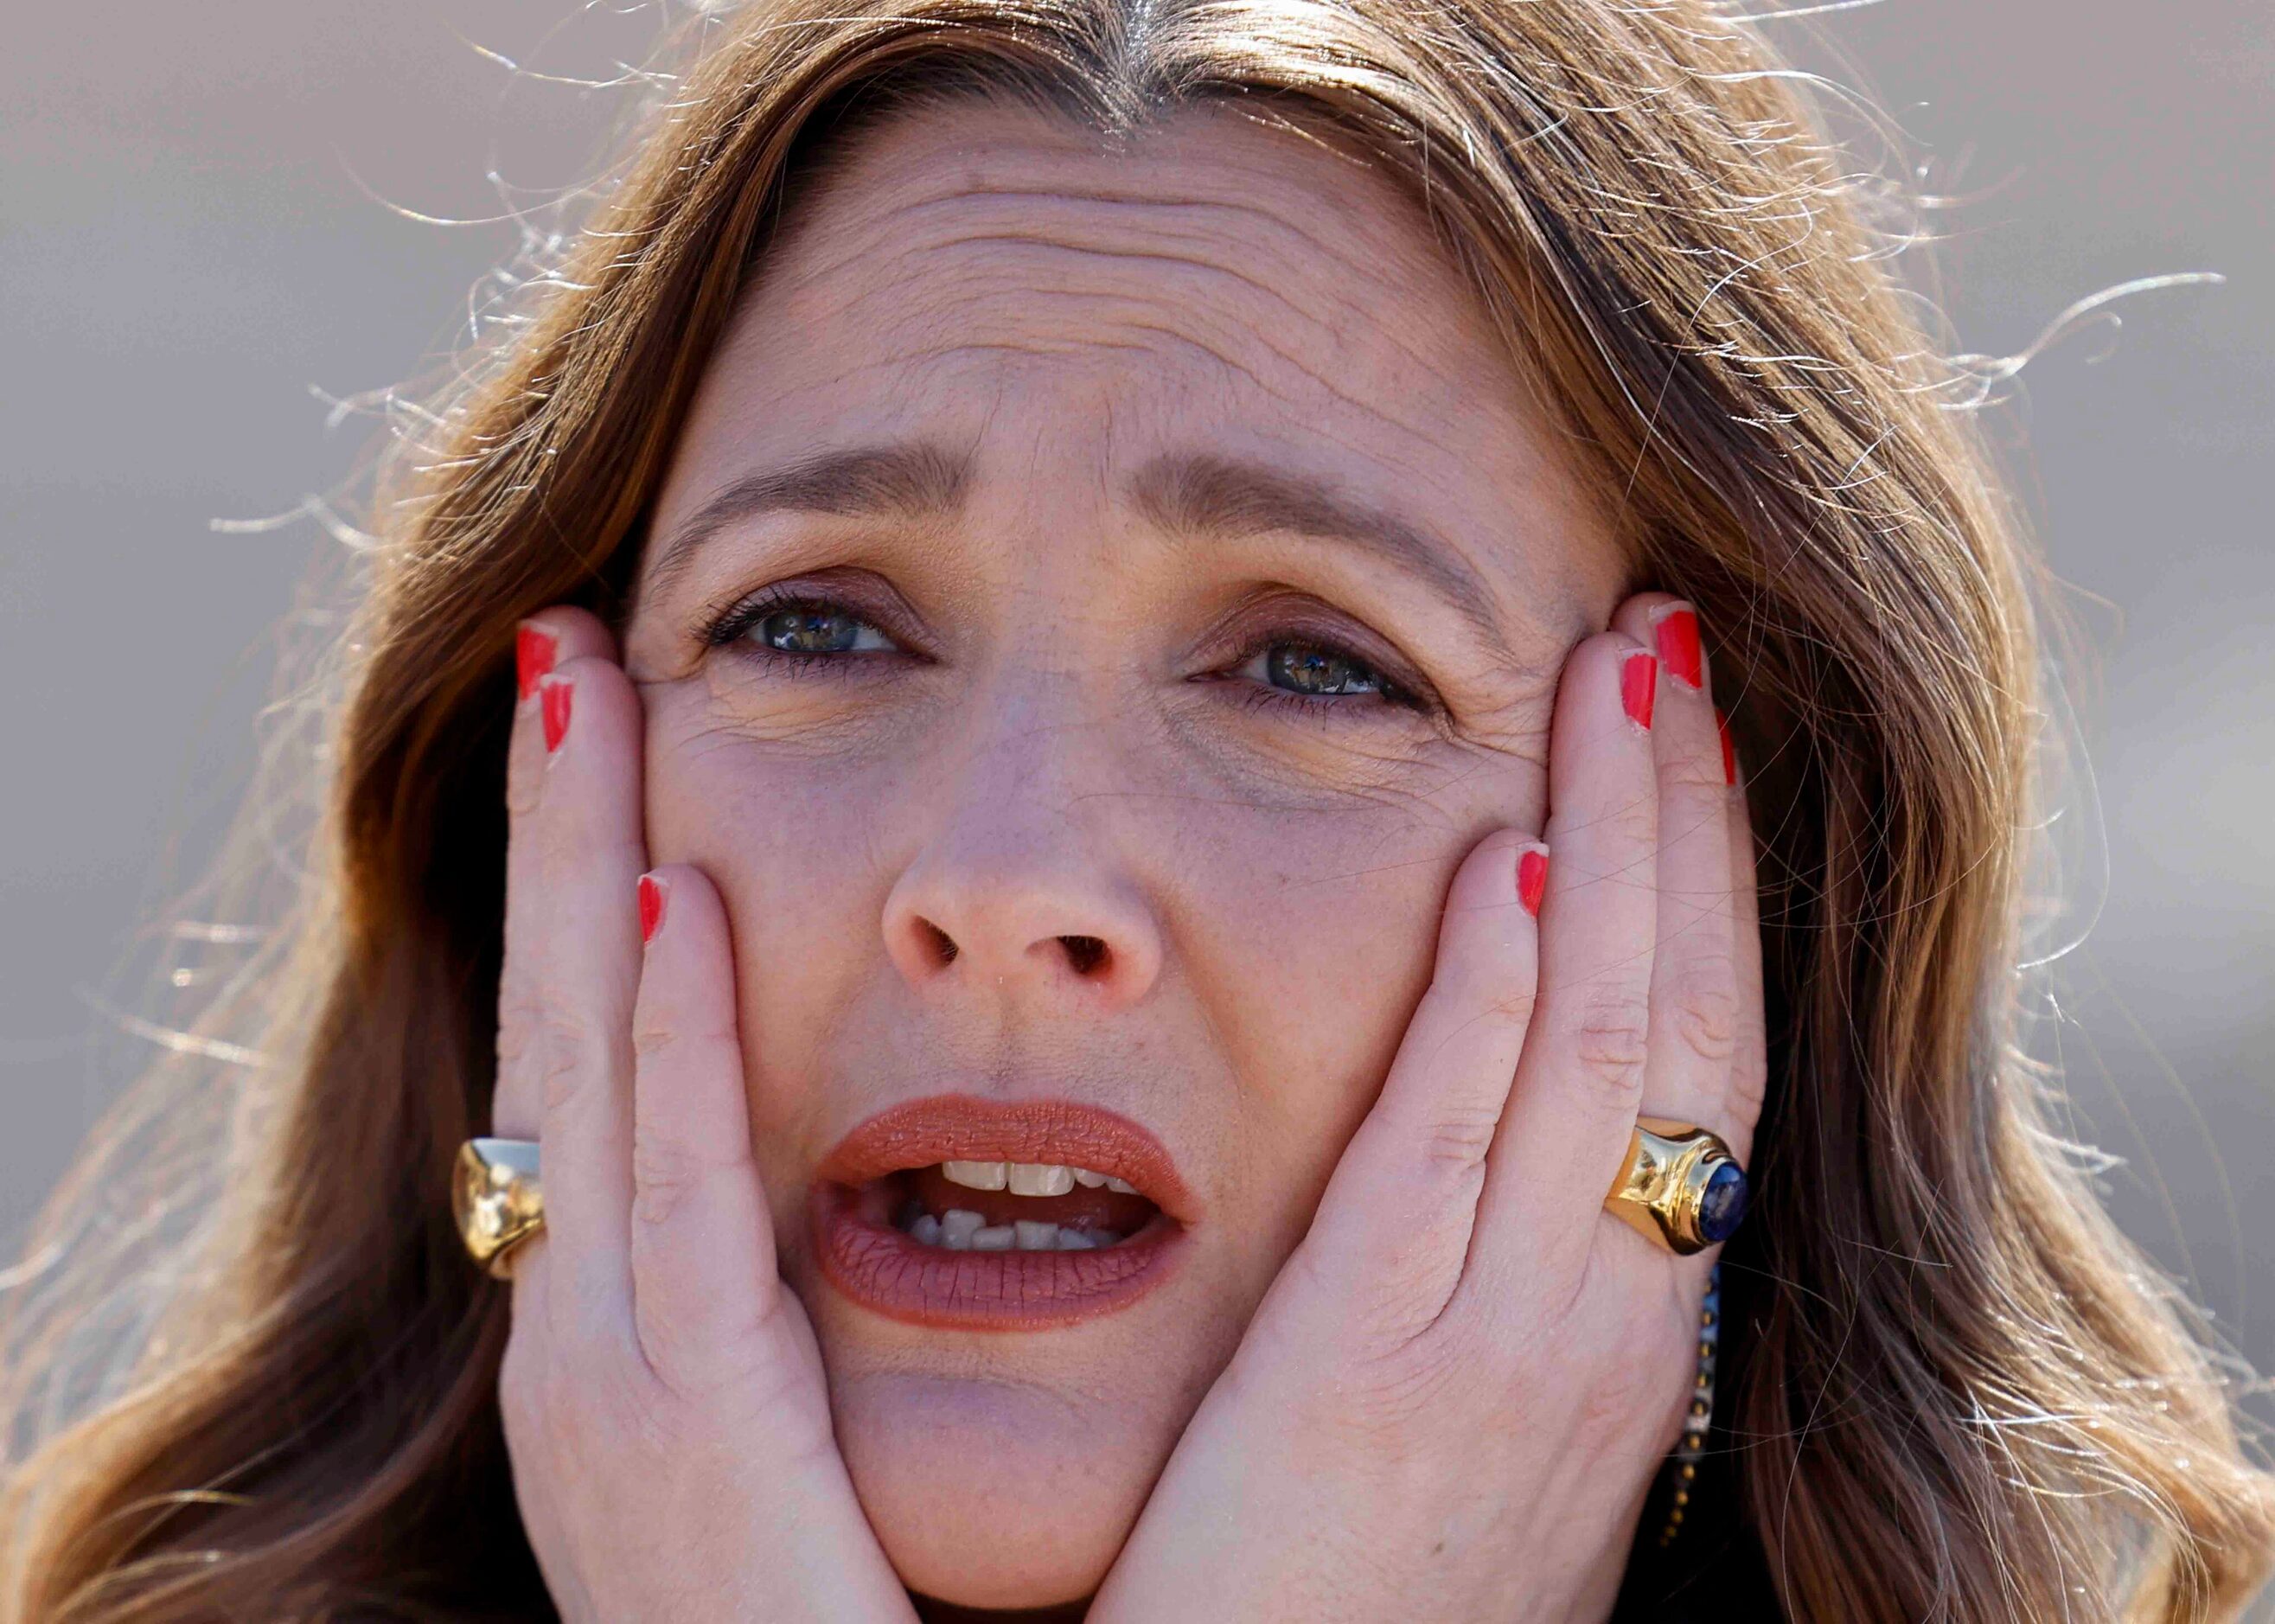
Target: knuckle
{"type": "Point", "coordinates": [1497, 985]}
{"type": "Point", "coordinates": [1703, 1008]}
{"type": "Point", "coordinates": [663, 1177]}
{"type": "Point", "coordinates": [1749, 1079]}
{"type": "Point", "coordinates": [541, 1040]}
{"type": "Point", "coordinates": [1612, 1041]}
{"type": "Point", "coordinates": [1473, 996]}
{"type": "Point", "coordinates": [1508, 1004]}
{"type": "Point", "coordinates": [653, 1035]}
{"type": "Point", "coordinates": [514, 1039]}
{"type": "Point", "coordinates": [1456, 1141]}
{"type": "Point", "coordinates": [1692, 770]}
{"type": "Point", "coordinates": [1634, 822]}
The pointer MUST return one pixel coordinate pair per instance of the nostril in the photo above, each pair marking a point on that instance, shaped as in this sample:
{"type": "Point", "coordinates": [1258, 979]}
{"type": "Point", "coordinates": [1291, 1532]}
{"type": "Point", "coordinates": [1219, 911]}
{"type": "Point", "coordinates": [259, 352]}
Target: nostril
{"type": "Point", "coordinates": [1087, 954]}
{"type": "Point", "coordinates": [942, 945]}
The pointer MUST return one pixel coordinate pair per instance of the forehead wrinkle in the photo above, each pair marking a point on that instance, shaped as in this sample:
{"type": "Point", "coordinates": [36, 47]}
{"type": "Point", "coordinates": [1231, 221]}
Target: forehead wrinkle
{"type": "Point", "coordinates": [900, 190]}
{"type": "Point", "coordinates": [1005, 290]}
{"type": "Point", "coordinates": [1172, 243]}
{"type": "Point", "coordinates": [1108, 332]}
{"type": "Point", "coordinates": [1421, 273]}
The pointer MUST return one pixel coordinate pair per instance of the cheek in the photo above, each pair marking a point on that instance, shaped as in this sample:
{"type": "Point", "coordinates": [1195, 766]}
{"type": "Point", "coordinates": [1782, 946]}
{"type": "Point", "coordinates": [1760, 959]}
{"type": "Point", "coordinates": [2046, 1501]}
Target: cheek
{"type": "Point", "coordinates": [791, 840]}
{"type": "Point", "coordinates": [1303, 940]}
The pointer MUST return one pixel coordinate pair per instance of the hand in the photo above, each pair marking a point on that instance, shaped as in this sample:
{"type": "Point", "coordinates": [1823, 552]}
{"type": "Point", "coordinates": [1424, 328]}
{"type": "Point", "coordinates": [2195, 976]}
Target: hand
{"type": "Point", "coordinates": [663, 1397]}
{"type": "Point", "coordinates": [1452, 1401]}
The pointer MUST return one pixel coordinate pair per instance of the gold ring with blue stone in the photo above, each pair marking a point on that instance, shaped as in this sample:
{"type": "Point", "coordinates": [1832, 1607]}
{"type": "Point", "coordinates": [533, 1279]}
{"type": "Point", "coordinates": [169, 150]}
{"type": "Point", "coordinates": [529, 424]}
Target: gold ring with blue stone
{"type": "Point", "coordinates": [1679, 1186]}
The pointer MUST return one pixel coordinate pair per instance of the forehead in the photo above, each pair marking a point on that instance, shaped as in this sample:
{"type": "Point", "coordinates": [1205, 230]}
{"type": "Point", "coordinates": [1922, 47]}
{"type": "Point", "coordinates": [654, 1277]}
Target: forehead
{"type": "Point", "coordinates": [978, 260]}
{"type": "Point", "coordinates": [1061, 309]}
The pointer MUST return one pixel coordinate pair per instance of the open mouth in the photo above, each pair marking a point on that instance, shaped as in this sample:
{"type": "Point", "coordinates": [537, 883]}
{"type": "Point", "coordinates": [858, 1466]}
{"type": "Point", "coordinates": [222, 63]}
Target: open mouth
{"type": "Point", "coordinates": [957, 1211]}
{"type": "Point", "coordinates": [1026, 1206]}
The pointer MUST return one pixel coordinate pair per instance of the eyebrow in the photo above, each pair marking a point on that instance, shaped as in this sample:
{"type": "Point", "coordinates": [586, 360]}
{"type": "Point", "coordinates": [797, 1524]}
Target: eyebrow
{"type": "Point", "coordinates": [916, 479]}
{"type": "Point", "coordinates": [1214, 495]}
{"type": "Point", "coordinates": [1188, 494]}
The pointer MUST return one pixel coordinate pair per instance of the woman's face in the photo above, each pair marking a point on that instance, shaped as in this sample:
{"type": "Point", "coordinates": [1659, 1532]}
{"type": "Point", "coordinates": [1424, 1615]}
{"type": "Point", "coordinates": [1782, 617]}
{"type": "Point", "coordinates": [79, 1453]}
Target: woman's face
{"type": "Point", "coordinates": [1099, 596]}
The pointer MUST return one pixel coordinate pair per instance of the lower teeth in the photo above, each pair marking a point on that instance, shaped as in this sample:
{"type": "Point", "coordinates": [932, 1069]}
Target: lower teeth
{"type": "Point", "coordinates": [961, 1231]}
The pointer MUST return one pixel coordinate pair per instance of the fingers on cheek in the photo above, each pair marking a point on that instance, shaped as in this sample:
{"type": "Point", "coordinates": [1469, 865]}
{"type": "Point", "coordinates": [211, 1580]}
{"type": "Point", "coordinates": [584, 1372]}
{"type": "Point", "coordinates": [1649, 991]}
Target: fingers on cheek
{"type": "Point", "coordinates": [688, 1088]}
{"type": "Point", "coordinates": [1488, 945]}
{"type": "Point", "coordinates": [545, 646]}
{"type": "Point", "coordinates": [1693, 740]}
{"type": "Point", "coordinates": [1692, 736]}
{"type": "Point", "coordinates": [1603, 786]}
{"type": "Point", "coordinates": [590, 722]}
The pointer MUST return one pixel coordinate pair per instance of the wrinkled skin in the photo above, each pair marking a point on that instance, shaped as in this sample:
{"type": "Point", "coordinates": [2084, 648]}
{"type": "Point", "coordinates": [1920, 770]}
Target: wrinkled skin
{"type": "Point", "coordinates": [1059, 718]}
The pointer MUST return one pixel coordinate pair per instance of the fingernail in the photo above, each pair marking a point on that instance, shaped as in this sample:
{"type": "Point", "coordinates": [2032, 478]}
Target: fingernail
{"type": "Point", "coordinates": [1679, 649]}
{"type": "Point", "coordinates": [1639, 686]}
{"type": "Point", "coordinates": [554, 697]}
{"type": "Point", "coordinates": [1531, 880]}
{"type": "Point", "coordinates": [1729, 751]}
{"type": "Point", "coordinates": [651, 906]}
{"type": "Point", "coordinates": [534, 649]}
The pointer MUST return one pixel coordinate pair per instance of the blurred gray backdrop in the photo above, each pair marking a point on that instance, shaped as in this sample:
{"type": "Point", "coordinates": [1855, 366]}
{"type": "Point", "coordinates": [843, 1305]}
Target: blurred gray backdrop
{"type": "Point", "coordinates": [199, 226]}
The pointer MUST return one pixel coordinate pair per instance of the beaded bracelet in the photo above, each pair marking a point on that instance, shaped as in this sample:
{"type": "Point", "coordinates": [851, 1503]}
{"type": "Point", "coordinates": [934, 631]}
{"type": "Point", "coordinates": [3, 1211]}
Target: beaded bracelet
{"type": "Point", "coordinates": [1692, 1449]}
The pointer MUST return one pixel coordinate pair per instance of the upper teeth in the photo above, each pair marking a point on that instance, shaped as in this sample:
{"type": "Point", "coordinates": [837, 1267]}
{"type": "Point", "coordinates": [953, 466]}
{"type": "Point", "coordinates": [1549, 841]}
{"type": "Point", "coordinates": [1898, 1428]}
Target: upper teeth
{"type": "Point", "coordinates": [1028, 1178]}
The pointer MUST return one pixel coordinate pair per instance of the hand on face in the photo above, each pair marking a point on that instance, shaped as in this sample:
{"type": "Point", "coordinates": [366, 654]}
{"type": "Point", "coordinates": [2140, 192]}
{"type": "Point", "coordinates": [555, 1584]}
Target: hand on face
{"type": "Point", "coordinates": [663, 1395]}
{"type": "Point", "coordinates": [1458, 1386]}
{"type": "Point", "coordinates": [1452, 1401]}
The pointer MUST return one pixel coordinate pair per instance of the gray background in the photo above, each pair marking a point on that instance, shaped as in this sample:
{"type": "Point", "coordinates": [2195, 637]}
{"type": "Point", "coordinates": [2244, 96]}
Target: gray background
{"type": "Point", "coordinates": [191, 235]}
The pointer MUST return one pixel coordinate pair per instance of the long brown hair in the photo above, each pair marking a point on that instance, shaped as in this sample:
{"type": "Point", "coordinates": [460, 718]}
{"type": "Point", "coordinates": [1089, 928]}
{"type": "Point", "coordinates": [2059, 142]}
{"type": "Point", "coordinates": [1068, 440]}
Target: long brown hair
{"type": "Point", "coordinates": [251, 1376]}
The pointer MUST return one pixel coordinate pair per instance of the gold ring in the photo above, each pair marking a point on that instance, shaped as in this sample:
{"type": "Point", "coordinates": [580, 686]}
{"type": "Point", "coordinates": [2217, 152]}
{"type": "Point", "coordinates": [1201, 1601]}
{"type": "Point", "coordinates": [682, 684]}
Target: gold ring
{"type": "Point", "coordinates": [1679, 1187]}
{"type": "Point", "coordinates": [498, 1200]}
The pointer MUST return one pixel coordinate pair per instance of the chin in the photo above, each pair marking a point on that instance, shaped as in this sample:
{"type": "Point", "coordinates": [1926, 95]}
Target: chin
{"type": "Point", "coordinates": [1006, 1408]}
{"type": "Point", "coordinates": [989, 1491]}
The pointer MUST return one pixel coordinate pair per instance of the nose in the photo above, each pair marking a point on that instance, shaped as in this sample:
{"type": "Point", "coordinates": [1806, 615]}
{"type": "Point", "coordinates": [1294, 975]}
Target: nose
{"type": "Point", "coordinates": [1010, 896]}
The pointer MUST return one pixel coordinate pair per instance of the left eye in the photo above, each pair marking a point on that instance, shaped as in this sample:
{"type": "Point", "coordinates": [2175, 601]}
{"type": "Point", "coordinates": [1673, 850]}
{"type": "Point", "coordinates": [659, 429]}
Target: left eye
{"type": "Point", "coordinates": [1314, 671]}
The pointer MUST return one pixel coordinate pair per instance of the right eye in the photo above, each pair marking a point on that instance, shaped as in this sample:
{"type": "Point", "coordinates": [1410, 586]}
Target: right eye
{"type": "Point", "coordinates": [811, 628]}
{"type": "Point", "coordinates": [798, 629]}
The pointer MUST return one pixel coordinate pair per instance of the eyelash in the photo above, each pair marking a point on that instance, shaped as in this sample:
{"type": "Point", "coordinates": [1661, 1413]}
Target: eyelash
{"type": "Point", "coordinates": [733, 624]}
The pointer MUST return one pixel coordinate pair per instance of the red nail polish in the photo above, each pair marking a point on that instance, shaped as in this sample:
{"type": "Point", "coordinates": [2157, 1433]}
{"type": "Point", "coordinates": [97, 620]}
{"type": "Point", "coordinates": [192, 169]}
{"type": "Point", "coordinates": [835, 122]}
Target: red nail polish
{"type": "Point", "coordinates": [1532, 881]}
{"type": "Point", "coordinates": [1639, 686]}
{"type": "Point", "coordinates": [1679, 649]}
{"type": "Point", "coordinates": [651, 907]}
{"type": "Point", "coordinates": [553, 701]}
{"type": "Point", "coordinates": [1729, 751]}
{"type": "Point", "coordinates": [533, 657]}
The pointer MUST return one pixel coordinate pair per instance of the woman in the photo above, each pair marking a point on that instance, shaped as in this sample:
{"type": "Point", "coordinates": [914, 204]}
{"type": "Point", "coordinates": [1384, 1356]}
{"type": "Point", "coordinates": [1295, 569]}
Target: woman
{"type": "Point", "coordinates": [1047, 731]}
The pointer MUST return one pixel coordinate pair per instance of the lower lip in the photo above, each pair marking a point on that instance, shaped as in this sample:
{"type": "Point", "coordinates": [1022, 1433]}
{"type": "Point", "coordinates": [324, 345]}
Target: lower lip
{"type": "Point", "coordinates": [900, 1277]}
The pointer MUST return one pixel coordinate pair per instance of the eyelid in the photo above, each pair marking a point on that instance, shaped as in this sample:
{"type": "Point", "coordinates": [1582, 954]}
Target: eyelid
{"type": "Point", "coordinates": [865, 597]}
{"type": "Point", "coordinates": [1252, 627]}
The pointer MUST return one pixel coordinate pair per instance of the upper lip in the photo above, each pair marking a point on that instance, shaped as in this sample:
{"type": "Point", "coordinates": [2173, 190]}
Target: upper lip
{"type": "Point", "coordinates": [966, 1127]}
